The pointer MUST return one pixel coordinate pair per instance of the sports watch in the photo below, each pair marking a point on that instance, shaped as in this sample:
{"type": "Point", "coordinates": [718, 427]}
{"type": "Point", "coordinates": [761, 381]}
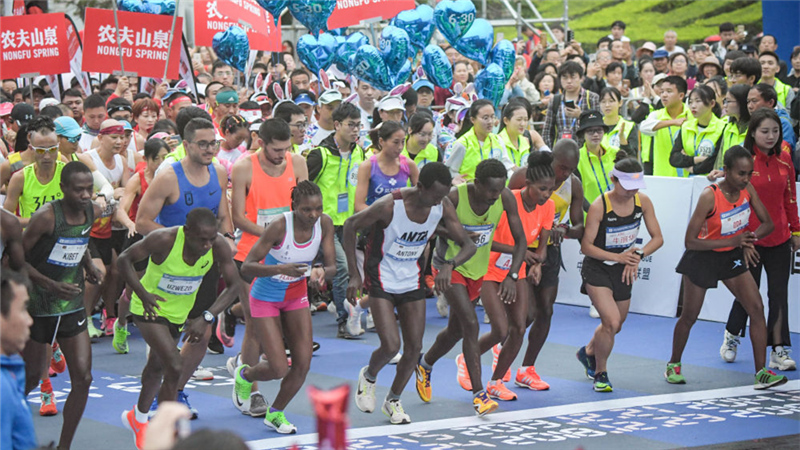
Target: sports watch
{"type": "Point", "coordinates": [207, 316]}
{"type": "Point", "coordinates": [514, 276]}
{"type": "Point", "coordinates": [640, 253]}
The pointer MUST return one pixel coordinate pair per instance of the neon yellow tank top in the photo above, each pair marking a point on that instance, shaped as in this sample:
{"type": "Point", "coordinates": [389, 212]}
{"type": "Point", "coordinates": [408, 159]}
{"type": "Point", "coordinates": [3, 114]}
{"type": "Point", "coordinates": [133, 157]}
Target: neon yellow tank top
{"type": "Point", "coordinates": [35, 194]}
{"type": "Point", "coordinates": [484, 225]}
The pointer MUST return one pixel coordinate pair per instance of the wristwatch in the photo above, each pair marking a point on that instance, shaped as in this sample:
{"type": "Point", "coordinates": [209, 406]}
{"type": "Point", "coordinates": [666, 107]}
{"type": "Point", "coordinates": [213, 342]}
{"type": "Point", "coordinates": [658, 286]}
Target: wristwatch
{"type": "Point", "coordinates": [514, 276]}
{"type": "Point", "coordinates": [207, 316]}
{"type": "Point", "coordinates": [451, 262]}
{"type": "Point", "coordinates": [640, 253]}
{"type": "Point", "coordinates": [230, 236]}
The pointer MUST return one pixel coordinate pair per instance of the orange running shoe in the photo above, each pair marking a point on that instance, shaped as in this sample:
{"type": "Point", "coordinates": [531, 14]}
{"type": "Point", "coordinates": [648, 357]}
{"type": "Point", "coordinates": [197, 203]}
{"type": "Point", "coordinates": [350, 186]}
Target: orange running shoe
{"type": "Point", "coordinates": [463, 375]}
{"type": "Point", "coordinates": [483, 404]}
{"type": "Point", "coordinates": [57, 362]}
{"type": "Point", "coordinates": [48, 407]}
{"type": "Point", "coordinates": [528, 378]}
{"type": "Point", "coordinates": [423, 382]}
{"type": "Point", "coordinates": [429, 281]}
{"type": "Point", "coordinates": [496, 354]}
{"type": "Point", "coordinates": [138, 429]}
{"type": "Point", "coordinates": [496, 389]}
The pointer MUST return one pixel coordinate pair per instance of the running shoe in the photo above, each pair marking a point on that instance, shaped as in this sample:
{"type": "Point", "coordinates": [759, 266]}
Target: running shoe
{"type": "Point", "coordinates": [370, 321]}
{"type": "Point", "coordinates": [593, 312]}
{"type": "Point", "coordinates": [277, 421]}
{"type": "Point", "coordinates": [365, 392]}
{"type": "Point", "coordinates": [486, 318]}
{"type": "Point", "coordinates": [201, 374]}
{"type": "Point", "coordinates": [258, 405]}
{"type": "Point", "coordinates": [429, 281]}
{"type": "Point", "coordinates": [396, 358]}
{"type": "Point", "coordinates": [496, 389]}
{"type": "Point", "coordinates": [241, 390]}
{"type": "Point", "coordinates": [94, 333]}
{"type": "Point", "coordinates": [57, 362]}
{"type": "Point", "coordinates": [314, 346]}
{"type": "Point", "coordinates": [120, 342]}
{"type": "Point", "coordinates": [423, 381]}
{"type": "Point", "coordinates": [51, 373]}
{"type": "Point", "coordinates": [108, 326]}
{"type": "Point", "coordinates": [226, 327]}
{"type": "Point", "coordinates": [394, 411]}
{"type": "Point", "coordinates": [730, 343]}
{"type": "Point", "coordinates": [343, 333]}
{"type": "Point", "coordinates": [138, 429]}
{"type": "Point", "coordinates": [332, 309]}
{"type": "Point", "coordinates": [673, 374]}
{"type": "Point", "coordinates": [183, 397]}
{"type": "Point", "coordinates": [496, 354]}
{"type": "Point", "coordinates": [587, 361]}
{"type": "Point", "coordinates": [48, 407]}
{"type": "Point", "coordinates": [778, 359]}
{"type": "Point", "coordinates": [463, 374]}
{"type": "Point", "coordinates": [232, 363]}
{"type": "Point", "coordinates": [601, 383]}
{"type": "Point", "coordinates": [215, 346]}
{"type": "Point", "coordinates": [153, 407]}
{"type": "Point", "coordinates": [528, 378]}
{"type": "Point", "coordinates": [441, 305]}
{"type": "Point", "coordinates": [766, 379]}
{"type": "Point", "coordinates": [483, 404]}
{"type": "Point", "coordinates": [354, 319]}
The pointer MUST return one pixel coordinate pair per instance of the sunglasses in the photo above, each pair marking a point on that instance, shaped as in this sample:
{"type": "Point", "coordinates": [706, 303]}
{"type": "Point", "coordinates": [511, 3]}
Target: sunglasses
{"type": "Point", "coordinates": [43, 150]}
{"type": "Point", "coordinates": [72, 140]}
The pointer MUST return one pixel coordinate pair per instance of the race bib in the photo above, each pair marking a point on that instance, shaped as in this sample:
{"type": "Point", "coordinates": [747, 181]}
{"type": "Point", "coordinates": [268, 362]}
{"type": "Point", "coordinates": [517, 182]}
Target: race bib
{"type": "Point", "coordinates": [288, 279]}
{"type": "Point", "coordinates": [705, 148]}
{"type": "Point", "coordinates": [352, 176]}
{"type": "Point", "coordinates": [504, 261]}
{"type": "Point", "coordinates": [401, 250]}
{"type": "Point", "coordinates": [266, 216]}
{"type": "Point", "coordinates": [68, 252]}
{"type": "Point", "coordinates": [613, 140]}
{"type": "Point", "coordinates": [623, 236]}
{"type": "Point", "coordinates": [484, 233]}
{"type": "Point", "coordinates": [734, 220]}
{"type": "Point", "coordinates": [175, 285]}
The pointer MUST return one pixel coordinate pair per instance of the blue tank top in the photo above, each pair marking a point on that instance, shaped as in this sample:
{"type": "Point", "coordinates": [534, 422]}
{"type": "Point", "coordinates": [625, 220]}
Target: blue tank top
{"type": "Point", "coordinates": [191, 197]}
{"type": "Point", "coordinates": [381, 184]}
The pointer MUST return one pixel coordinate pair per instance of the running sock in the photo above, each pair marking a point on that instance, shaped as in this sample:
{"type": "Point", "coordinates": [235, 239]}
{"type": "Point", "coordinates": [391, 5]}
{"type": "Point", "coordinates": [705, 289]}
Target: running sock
{"type": "Point", "coordinates": [391, 396]}
{"type": "Point", "coordinates": [424, 364]}
{"type": "Point", "coordinates": [141, 417]}
{"type": "Point", "coordinates": [369, 377]}
{"type": "Point", "coordinates": [241, 374]}
{"type": "Point", "coordinates": [273, 410]}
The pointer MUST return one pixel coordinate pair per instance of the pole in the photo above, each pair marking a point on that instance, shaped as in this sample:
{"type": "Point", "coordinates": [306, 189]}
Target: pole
{"type": "Point", "coordinates": [519, 20]}
{"type": "Point", "coordinates": [30, 86]}
{"type": "Point", "coordinates": [483, 8]}
{"type": "Point", "coordinates": [119, 44]}
{"type": "Point", "coordinates": [171, 37]}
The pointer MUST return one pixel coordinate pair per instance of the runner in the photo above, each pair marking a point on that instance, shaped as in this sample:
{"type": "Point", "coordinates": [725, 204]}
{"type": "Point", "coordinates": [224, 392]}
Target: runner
{"type": "Point", "coordinates": [55, 243]}
{"type": "Point", "coordinates": [179, 257]}
{"type": "Point", "coordinates": [719, 247]}
{"type": "Point", "coordinates": [262, 190]}
{"type": "Point", "coordinates": [508, 320]}
{"type": "Point", "coordinates": [280, 261]}
{"type": "Point", "coordinates": [479, 211]}
{"type": "Point", "coordinates": [194, 181]}
{"type": "Point", "coordinates": [612, 260]}
{"type": "Point", "coordinates": [11, 241]}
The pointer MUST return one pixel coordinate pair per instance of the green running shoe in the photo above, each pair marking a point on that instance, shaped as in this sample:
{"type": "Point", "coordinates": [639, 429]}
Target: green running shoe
{"type": "Point", "coordinates": [766, 378]}
{"type": "Point", "coordinates": [241, 390]}
{"type": "Point", "coordinates": [94, 333]}
{"type": "Point", "coordinates": [601, 383]}
{"type": "Point", "coordinates": [277, 421]}
{"type": "Point", "coordinates": [673, 374]}
{"type": "Point", "coordinates": [120, 342]}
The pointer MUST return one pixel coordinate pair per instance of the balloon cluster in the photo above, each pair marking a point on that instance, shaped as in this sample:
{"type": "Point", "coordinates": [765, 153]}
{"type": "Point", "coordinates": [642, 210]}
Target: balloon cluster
{"type": "Point", "coordinates": [165, 7]}
{"type": "Point", "coordinates": [313, 14]}
{"type": "Point", "coordinates": [387, 67]}
{"type": "Point", "coordinates": [232, 47]}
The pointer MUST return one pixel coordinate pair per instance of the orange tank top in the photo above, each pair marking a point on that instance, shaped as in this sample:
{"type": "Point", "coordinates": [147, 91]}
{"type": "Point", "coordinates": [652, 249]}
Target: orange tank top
{"type": "Point", "coordinates": [727, 219]}
{"type": "Point", "coordinates": [268, 198]}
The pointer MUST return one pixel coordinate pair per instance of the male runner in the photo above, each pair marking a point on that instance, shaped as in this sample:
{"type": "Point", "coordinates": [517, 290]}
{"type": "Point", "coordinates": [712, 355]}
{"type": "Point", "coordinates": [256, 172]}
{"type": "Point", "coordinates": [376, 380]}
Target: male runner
{"type": "Point", "coordinates": [56, 242]}
{"type": "Point", "coordinates": [401, 225]}
{"type": "Point", "coordinates": [179, 257]}
{"type": "Point", "coordinates": [479, 211]}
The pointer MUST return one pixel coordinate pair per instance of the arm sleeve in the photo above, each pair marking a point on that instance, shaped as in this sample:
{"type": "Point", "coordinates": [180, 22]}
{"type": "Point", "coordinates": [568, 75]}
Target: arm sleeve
{"type": "Point", "coordinates": [101, 185]}
{"type": "Point", "coordinates": [676, 156]}
{"type": "Point", "coordinates": [314, 163]}
{"type": "Point", "coordinates": [647, 125]}
{"type": "Point", "coordinates": [455, 157]}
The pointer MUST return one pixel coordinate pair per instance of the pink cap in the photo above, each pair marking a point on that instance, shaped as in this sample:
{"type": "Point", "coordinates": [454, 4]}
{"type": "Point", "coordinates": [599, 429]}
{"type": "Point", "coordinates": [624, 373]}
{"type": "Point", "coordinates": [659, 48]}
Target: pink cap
{"type": "Point", "coordinates": [5, 108]}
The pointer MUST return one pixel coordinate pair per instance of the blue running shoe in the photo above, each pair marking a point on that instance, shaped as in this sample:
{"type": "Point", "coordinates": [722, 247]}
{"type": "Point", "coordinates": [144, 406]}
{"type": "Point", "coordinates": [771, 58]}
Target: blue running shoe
{"type": "Point", "coordinates": [587, 361]}
{"type": "Point", "coordinates": [184, 398]}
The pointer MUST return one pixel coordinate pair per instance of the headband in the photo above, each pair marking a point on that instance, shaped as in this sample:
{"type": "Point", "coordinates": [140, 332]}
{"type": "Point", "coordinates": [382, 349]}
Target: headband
{"type": "Point", "coordinates": [113, 129]}
{"type": "Point", "coordinates": [178, 100]}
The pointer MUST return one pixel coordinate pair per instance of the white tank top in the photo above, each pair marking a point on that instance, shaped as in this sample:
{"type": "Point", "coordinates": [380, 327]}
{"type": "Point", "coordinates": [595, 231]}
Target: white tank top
{"type": "Point", "coordinates": [291, 252]}
{"type": "Point", "coordinates": [114, 176]}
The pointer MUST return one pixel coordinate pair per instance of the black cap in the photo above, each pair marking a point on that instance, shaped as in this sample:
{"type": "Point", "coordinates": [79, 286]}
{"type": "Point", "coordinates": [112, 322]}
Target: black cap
{"type": "Point", "coordinates": [22, 113]}
{"type": "Point", "coordinates": [590, 119]}
{"type": "Point", "coordinates": [748, 48]}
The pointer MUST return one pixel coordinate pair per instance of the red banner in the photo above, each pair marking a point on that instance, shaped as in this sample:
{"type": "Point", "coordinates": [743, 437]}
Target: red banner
{"type": "Point", "coordinates": [213, 16]}
{"type": "Point", "coordinates": [19, 8]}
{"type": "Point", "coordinates": [144, 39]}
{"type": "Point", "coordinates": [351, 12]}
{"type": "Point", "coordinates": [33, 44]}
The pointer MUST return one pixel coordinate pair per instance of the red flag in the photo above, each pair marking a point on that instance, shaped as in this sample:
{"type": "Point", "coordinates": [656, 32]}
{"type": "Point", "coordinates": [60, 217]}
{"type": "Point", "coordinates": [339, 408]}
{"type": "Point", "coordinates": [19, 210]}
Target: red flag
{"type": "Point", "coordinates": [351, 12]}
{"type": "Point", "coordinates": [33, 44]}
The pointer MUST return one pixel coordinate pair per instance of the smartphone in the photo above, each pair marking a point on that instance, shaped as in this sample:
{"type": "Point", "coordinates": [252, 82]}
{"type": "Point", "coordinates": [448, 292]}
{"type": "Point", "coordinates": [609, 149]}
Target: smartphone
{"type": "Point", "coordinates": [698, 47]}
{"type": "Point", "coordinates": [569, 103]}
{"type": "Point", "coordinates": [197, 57]}
{"type": "Point", "coordinates": [570, 36]}
{"type": "Point", "coordinates": [176, 138]}
{"type": "Point", "coordinates": [626, 84]}
{"type": "Point", "coordinates": [739, 28]}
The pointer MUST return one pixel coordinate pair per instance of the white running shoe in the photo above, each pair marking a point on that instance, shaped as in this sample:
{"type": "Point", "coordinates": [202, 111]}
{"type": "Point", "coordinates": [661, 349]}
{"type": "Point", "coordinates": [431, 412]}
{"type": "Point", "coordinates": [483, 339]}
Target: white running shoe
{"type": "Point", "coordinates": [394, 411]}
{"type": "Point", "coordinates": [729, 345]}
{"type": "Point", "coordinates": [485, 317]}
{"type": "Point", "coordinates": [201, 374]}
{"type": "Point", "coordinates": [441, 305]}
{"type": "Point", "coordinates": [354, 319]}
{"type": "Point", "coordinates": [365, 392]}
{"type": "Point", "coordinates": [593, 312]}
{"type": "Point", "coordinates": [779, 359]}
{"type": "Point", "coordinates": [233, 363]}
{"type": "Point", "coordinates": [370, 321]}
{"type": "Point", "coordinates": [332, 308]}
{"type": "Point", "coordinates": [396, 358]}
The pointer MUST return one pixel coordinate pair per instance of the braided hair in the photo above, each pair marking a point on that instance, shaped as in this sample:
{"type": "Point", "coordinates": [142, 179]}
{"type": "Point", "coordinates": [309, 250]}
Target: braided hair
{"type": "Point", "coordinates": [304, 189]}
{"type": "Point", "coordinates": [540, 166]}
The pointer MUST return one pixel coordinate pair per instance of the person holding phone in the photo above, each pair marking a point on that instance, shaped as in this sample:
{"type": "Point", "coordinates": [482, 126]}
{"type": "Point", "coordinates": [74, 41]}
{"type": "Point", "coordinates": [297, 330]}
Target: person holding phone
{"type": "Point", "coordinates": [562, 116]}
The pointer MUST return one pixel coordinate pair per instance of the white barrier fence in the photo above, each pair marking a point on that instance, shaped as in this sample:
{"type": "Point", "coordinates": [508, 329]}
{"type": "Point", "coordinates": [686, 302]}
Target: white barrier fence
{"type": "Point", "coordinates": [657, 290]}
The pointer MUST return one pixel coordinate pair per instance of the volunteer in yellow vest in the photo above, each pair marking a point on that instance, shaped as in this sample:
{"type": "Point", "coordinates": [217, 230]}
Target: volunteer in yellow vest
{"type": "Point", "coordinates": [700, 138]}
{"type": "Point", "coordinates": [179, 257]}
{"type": "Point", "coordinates": [38, 183]}
{"type": "Point", "coordinates": [622, 134]}
{"type": "Point", "coordinates": [596, 159]}
{"type": "Point", "coordinates": [474, 143]}
{"type": "Point", "coordinates": [661, 127]}
{"type": "Point", "coordinates": [770, 65]}
{"type": "Point", "coordinates": [333, 166]}
{"type": "Point", "coordinates": [737, 117]}
{"type": "Point", "coordinates": [514, 122]}
{"type": "Point", "coordinates": [479, 206]}
{"type": "Point", "coordinates": [418, 145]}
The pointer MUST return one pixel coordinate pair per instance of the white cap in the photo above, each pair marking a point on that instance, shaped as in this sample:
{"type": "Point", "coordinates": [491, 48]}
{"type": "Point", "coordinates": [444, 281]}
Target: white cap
{"type": "Point", "coordinates": [47, 102]}
{"type": "Point", "coordinates": [391, 103]}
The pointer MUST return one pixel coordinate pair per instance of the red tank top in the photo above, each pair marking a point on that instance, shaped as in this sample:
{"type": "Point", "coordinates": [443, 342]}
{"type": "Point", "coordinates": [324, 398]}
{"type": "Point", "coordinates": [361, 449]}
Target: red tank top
{"type": "Point", "coordinates": [727, 219]}
{"type": "Point", "coordinates": [135, 205]}
{"type": "Point", "coordinates": [268, 198]}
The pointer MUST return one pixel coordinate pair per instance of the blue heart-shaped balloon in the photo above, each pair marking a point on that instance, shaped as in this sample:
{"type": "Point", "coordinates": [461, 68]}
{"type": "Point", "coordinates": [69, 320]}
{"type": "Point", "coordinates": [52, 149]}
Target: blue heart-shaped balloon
{"type": "Point", "coordinates": [316, 53]}
{"type": "Point", "coordinates": [437, 66]}
{"type": "Point", "coordinates": [274, 7]}
{"type": "Point", "coordinates": [453, 18]}
{"type": "Point", "coordinates": [476, 43]}
{"type": "Point", "coordinates": [394, 44]}
{"type": "Point", "coordinates": [504, 56]}
{"type": "Point", "coordinates": [401, 76]}
{"type": "Point", "coordinates": [490, 83]}
{"type": "Point", "coordinates": [232, 47]}
{"type": "Point", "coordinates": [338, 31]}
{"type": "Point", "coordinates": [163, 7]}
{"type": "Point", "coordinates": [313, 14]}
{"type": "Point", "coordinates": [131, 5]}
{"type": "Point", "coordinates": [368, 65]}
{"type": "Point", "coordinates": [418, 23]}
{"type": "Point", "coordinates": [346, 47]}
